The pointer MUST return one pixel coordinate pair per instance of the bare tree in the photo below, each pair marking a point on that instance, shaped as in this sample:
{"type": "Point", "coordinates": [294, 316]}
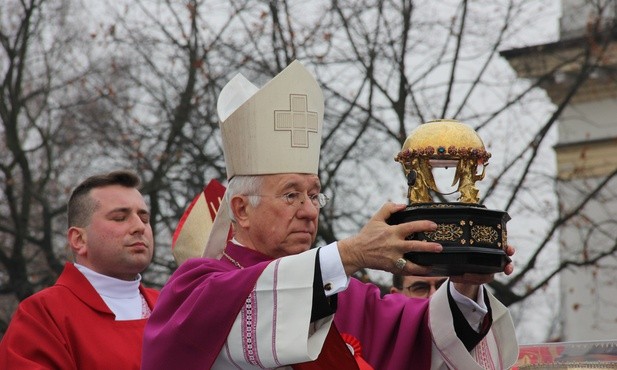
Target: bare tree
{"type": "Point", "coordinates": [405, 71]}
{"type": "Point", "coordinates": [40, 77]}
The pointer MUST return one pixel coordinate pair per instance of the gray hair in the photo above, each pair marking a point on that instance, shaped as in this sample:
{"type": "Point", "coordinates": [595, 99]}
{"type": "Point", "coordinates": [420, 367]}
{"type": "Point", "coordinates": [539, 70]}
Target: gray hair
{"type": "Point", "coordinates": [243, 185]}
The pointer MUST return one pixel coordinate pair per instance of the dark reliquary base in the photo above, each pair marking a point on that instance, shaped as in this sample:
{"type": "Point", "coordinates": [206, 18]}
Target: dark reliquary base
{"type": "Point", "coordinates": [474, 238]}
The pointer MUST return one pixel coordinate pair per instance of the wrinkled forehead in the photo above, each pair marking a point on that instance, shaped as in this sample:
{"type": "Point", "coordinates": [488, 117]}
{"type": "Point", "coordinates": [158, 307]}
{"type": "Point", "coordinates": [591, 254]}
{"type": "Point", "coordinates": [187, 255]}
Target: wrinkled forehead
{"type": "Point", "coordinates": [295, 181]}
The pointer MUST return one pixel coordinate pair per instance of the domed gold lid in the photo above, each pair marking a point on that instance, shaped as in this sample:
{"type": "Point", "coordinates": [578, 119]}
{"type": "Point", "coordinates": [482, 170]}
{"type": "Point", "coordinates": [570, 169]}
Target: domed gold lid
{"type": "Point", "coordinates": [443, 139]}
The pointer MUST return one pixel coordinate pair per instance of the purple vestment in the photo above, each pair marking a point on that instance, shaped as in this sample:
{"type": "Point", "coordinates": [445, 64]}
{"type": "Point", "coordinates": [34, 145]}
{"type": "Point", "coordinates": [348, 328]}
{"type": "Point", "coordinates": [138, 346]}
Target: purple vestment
{"type": "Point", "coordinates": [199, 304]}
{"type": "Point", "coordinates": [392, 330]}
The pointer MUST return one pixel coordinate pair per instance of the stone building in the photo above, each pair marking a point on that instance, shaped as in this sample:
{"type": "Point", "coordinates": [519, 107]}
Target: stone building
{"type": "Point", "coordinates": [579, 74]}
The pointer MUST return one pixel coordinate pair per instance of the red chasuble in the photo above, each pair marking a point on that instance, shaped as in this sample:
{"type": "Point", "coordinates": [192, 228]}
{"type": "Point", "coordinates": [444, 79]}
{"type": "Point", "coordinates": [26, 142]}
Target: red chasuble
{"type": "Point", "coordinates": [68, 326]}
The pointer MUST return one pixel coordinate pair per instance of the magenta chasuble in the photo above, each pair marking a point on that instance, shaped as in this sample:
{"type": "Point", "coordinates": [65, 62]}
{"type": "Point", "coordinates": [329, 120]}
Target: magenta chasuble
{"type": "Point", "coordinates": [198, 306]}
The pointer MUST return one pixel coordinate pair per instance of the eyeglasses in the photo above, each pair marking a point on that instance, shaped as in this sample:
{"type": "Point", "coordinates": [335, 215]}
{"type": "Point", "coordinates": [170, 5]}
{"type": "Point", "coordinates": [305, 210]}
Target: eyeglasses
{"type": "Point", "coordinates": [294, 198]}
{"type": "Point", "coordinates": [423, 288]}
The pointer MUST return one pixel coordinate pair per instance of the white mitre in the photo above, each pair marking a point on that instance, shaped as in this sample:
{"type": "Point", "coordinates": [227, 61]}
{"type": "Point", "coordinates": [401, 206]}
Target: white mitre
{"type": "Point", "coordinates": [275, 129]}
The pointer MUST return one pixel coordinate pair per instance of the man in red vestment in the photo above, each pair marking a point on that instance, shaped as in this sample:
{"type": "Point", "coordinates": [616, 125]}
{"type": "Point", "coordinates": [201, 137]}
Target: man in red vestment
{"type": "Point", "coordinates": [94, 315]}
{"type": "Point", "coordinates": [266, 300]}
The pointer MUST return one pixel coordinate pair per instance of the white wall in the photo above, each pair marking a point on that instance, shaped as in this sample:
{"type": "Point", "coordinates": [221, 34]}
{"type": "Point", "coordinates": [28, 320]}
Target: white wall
{"type": "Point", "coordinates": [589, 294]}
{"type": "Point", "coordinates": [588, 121]}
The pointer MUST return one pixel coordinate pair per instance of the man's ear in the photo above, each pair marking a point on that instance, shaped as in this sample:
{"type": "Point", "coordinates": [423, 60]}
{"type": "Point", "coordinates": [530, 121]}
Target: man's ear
{"type": "Point", "coordinates": [394, 290]}
{"type": "Point", "coordinates": [239, 207]}
{"type": "Point", "coordinates": [78, 240]}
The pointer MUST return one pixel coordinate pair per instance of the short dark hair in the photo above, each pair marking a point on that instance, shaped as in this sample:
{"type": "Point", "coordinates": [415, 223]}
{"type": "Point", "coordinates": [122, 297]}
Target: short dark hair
{"type": "Point", "coordinates": [397, 281]}
{"type": "Point", "coordinates": [81, 206]}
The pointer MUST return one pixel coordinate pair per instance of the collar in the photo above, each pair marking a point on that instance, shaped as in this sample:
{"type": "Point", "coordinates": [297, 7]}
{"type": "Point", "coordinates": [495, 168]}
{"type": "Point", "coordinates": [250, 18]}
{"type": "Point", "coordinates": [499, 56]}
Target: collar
{"type": "Point", "coordinates": [108, 286]}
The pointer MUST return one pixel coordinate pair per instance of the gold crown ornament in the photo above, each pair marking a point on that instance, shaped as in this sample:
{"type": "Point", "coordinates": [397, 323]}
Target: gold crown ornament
{"type": "Point", "coordinates": [443, 143]}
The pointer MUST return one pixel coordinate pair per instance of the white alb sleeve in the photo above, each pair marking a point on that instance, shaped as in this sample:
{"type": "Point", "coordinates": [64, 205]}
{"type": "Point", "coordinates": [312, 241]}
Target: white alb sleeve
{"type": "Point", "coordinates": [332, 271]}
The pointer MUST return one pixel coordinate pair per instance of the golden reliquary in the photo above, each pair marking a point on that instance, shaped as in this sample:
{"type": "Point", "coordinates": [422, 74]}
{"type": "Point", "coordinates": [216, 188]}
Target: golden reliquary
{"type": "Point", "coordinates": [474, 237]}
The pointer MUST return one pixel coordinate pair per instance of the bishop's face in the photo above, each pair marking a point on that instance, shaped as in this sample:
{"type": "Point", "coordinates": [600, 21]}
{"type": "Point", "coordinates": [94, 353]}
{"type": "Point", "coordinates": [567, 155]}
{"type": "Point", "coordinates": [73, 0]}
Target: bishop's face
{"type": "Point", "coordinates": [285, 220]}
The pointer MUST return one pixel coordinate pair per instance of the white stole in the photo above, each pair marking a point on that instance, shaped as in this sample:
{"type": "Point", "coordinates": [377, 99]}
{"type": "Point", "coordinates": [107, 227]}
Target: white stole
{"type": "Point", "coordinates": [273, 328]}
